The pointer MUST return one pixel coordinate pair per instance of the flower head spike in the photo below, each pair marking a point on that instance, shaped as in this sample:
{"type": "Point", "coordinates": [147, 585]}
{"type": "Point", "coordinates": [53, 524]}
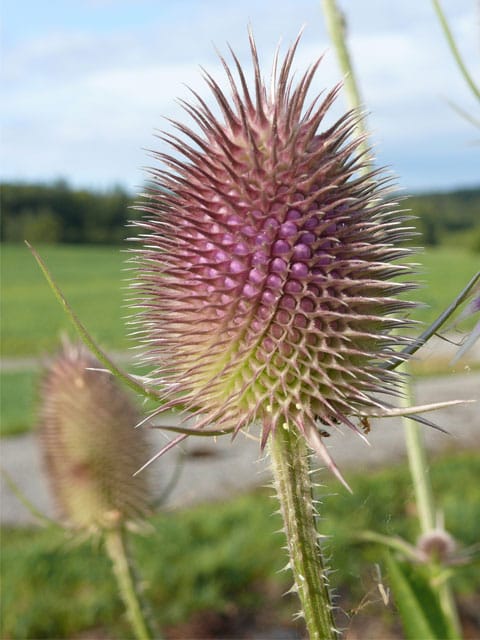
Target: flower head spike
{"type": "Point", "coordinates": [265, 281]}
{"type": "Point", "coordinates": [90, 447]}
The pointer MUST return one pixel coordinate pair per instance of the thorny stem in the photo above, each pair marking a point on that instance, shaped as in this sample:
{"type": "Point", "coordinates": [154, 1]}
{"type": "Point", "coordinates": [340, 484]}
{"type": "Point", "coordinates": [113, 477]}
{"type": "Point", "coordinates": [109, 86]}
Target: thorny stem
{"type": "Point", "coordinates": [292, 481]}
{"type": "Point", "coordinates": [422, 487]}
{"type": "Point", "coordinates": [336, 25]}
{"type": "Point", "coordinates": [115, 543]}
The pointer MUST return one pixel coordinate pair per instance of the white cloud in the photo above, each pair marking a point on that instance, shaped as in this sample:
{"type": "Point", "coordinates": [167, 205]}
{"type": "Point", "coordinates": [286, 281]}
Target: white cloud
{"type": "Point", "coordinates": [83, 103]}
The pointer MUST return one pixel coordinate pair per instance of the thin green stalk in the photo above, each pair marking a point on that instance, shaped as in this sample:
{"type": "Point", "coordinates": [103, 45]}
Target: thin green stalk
{"type": "Point", "coordinates": [415, 446]}
{"type": "Point", "coordinates": [116, 546]}
{"type": "Point", "coordinates": [418, 464]}
{"type": "Point", "coordinates": [436, 325]}
{"type": "Point", "coordinates": [22, 498]}
{"type": "Point", "coordinates": [422, 486]}
{"type": "Point", "coordinates": [449, 608]}
{"type": "Point", "coordinates": [336, 26]}
{"type": "Point", "coordinates": [292, 481]}
{"type": "Point", "coordinates": [454, 49]}
{"type": "Point", "coordinates": [86, 337]}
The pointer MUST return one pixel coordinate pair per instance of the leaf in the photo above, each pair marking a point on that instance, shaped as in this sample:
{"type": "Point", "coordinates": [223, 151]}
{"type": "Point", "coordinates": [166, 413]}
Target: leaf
{"type": "Point", "coordinates": [194, 432]}
{"type": "Point", "coordinates": [422, 408]}
{"type": "Point", "coordinates": [394, 542]}
{"type": "Point", "coordinates": [411, 603]}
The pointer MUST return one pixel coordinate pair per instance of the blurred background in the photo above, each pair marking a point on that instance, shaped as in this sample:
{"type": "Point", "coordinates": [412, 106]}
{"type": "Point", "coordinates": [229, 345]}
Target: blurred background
{"type": "Point", "coordinates": [85, 86]}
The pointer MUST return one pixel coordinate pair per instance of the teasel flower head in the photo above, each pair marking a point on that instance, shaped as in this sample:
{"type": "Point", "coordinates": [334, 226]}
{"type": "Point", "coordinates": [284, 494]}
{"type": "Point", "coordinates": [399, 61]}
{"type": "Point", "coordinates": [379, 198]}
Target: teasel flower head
{"type": "Point", "coordinates": [437, 545]}
{"type": "Point", "coordinates": [90, 448]}
{"type": "Point", "coordinates": [266, 289]}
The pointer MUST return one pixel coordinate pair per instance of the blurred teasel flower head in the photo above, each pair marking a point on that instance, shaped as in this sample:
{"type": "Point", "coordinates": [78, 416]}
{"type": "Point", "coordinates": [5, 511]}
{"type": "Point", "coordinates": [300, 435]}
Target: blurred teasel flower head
{"type": "Point", "coordinates": [265, 289]}
{"type": "Point", "coordinates": [436, 545]}
{"type": "Point", "coordinates": [90, 448]}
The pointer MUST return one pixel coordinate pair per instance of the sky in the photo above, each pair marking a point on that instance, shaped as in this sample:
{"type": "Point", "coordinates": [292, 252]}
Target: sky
{"type": "Point", "coordinates": [87, 84]}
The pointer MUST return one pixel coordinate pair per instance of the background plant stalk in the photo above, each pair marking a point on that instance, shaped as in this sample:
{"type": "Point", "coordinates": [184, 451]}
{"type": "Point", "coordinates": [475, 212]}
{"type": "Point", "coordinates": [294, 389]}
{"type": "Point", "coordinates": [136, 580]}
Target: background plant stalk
{"type": "Point", "coordinates": [116, 546]}
{"type": "Point", "coordinates": [422, 487]}
{"type": "Point", "coordinates": [414, 441]}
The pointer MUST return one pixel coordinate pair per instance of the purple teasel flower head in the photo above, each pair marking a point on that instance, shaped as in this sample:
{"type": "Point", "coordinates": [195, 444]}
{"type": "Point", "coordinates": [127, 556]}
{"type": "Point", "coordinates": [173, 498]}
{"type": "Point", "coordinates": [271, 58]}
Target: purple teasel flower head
{"type": "Point", "coordinates": [267, 287]}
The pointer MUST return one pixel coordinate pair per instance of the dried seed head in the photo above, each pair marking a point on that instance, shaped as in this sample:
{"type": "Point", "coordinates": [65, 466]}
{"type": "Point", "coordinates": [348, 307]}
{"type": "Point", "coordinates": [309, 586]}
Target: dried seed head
{"type": "Point", "coordinates": [265, 281]}
{"type": "Point", "coordinates": [90, 448]}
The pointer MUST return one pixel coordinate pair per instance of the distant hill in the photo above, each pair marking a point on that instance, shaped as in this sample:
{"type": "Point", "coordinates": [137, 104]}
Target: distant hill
{"type": "Point", "coordinates": [57, 213]}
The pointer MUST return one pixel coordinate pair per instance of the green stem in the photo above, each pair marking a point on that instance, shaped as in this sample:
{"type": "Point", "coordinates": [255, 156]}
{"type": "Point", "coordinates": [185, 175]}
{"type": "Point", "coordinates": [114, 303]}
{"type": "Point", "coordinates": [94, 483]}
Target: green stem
{"type": "Point", "coordinates": [22, 498]}
{"type": "Point", "coordinates": [449, 609]}
{"type": "Point", "coordinates": [422, 486]}
{"type": "Point", "coordinates": [436, 324]}
{"type": "Point", "coordinates": [115, 543]}
{"type": "Point", "coordinates": [454, 49]}
{"type": "Point", "coordinates": [417, 461]}
{"type": "Point", "coordinates": [292, 481]}
{"type": "Point", "coordinates": [336, 26]}
{"type": "Point", "coordinates": [86, 337]}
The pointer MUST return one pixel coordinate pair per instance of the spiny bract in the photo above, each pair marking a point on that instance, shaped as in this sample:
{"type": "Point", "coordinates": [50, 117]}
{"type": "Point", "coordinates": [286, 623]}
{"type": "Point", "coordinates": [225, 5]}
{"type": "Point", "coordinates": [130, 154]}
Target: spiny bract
{"type": "Point", "coordinates": [90, 448]}
{"type": "Point", "coordinates": [264, 283]}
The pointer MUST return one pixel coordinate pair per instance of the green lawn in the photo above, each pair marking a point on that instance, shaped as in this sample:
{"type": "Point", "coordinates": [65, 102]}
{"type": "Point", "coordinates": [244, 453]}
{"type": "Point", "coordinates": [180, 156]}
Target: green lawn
{"type": "Point", "coordinates": [444, 272]}
{"type": "Point", "coordinates": [94, 282]}
{"type": "Point", "coordinates": [221, 565]}
{"type": "Point", "coordinates": [17, 402]}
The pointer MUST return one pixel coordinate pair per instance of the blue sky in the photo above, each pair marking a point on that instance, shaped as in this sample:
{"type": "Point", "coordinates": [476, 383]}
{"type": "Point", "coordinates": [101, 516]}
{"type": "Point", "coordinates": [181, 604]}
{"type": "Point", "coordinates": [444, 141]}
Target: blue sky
{"type": "Point", "coordinates": [85, 83]}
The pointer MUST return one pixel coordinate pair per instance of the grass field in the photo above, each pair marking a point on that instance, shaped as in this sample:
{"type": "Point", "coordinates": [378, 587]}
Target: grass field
{"type": "Point", "coordinates": [94, 281]}
{"type": "Point", "coordinates": [221, 566]}
{"type": "Point", "coordinates": [18, 402]}
{"type": "Point", "coordinates": [210, 565]}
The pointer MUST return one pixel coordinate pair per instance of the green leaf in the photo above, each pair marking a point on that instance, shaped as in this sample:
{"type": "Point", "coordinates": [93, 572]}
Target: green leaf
{"type": "Point", "coordinates": [413, 603]}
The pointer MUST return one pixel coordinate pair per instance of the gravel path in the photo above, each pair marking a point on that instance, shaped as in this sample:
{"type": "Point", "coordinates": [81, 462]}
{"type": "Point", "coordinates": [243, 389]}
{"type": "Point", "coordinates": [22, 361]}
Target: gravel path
{"type": "Point", "coordinates": [216, 470]}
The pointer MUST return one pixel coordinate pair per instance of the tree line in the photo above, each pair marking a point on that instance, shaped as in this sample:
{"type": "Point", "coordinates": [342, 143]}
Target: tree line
{"type": "Point", "coordinates": [57, 213]}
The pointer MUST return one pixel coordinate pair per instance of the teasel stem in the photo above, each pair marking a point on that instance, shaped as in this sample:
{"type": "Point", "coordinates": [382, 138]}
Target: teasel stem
{"type": "Point", "coordinates": [422, 486]}
{"type": "Point", "coordinates": [123, 568]}
{"type": "Point", "coordinates": [292, 481]}
{"type": "Point", "coordinates": [336, 26]}
{"type": "Point", "coordinates": [417, 460]}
